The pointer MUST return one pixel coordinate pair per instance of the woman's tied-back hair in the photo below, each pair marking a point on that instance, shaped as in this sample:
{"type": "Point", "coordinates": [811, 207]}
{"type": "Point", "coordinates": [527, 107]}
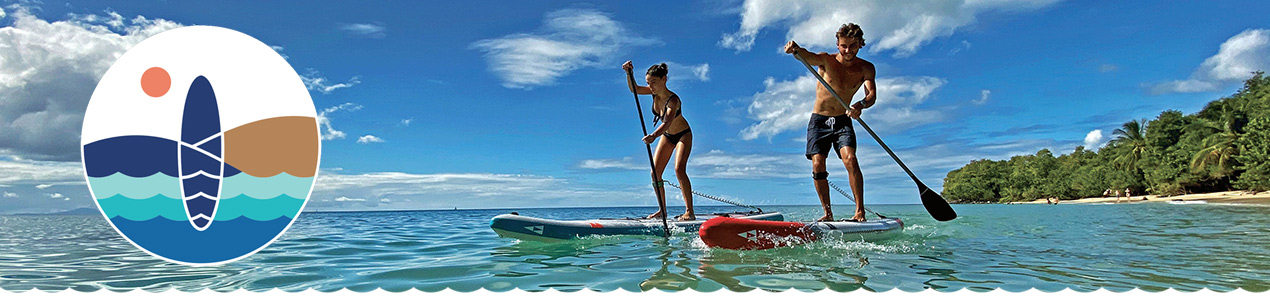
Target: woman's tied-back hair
{"type": "Point", "coordinates": [851, 30]}
{"type": "Point", "coordinates": [658, 70]}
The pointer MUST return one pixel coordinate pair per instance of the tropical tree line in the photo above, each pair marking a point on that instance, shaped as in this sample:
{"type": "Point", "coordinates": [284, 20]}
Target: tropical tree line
{"type": "Point", "coordinates": [1225, 146]}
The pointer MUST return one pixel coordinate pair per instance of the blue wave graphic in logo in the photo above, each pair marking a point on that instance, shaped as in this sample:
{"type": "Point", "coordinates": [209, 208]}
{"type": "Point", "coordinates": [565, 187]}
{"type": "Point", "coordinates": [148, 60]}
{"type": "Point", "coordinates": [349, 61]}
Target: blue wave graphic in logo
{"type": "Point", "coordinates": [176, 240]}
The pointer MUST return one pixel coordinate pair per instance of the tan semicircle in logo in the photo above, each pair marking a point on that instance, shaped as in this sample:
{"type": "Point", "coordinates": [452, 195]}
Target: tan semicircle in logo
{"type": "Point", "coordinates": [273, 146]}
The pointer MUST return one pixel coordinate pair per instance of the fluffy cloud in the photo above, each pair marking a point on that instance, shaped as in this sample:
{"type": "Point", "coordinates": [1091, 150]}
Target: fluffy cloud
{"type": "Point", "coordinates": [1238, 57]}
{"type": "Point", "coordinates": [785, 105]}
{"type": "Point", "coordinates": [899, 28]}
{"type": "Point", "coordinates": [376, 30]}
{"type": "Point", "coordinates": [369, 139]}
{"type": "Point", "coordinates": [569, 40]}
{"type": "Point", "coordinates": [1094, 140]}
{"type": "Point", "coordinates": [902, 28]}
{"type": "Point", "coordinates": [48, 71]}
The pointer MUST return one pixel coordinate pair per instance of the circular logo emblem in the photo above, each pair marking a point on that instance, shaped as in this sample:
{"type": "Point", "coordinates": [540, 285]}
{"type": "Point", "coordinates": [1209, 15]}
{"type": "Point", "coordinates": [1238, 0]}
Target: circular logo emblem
{"type": "Point", "coordinates": [200, 145]}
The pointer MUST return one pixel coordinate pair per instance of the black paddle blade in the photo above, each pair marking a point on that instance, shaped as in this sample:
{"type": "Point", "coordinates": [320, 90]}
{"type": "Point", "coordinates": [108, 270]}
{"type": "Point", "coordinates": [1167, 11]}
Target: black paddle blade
{"type": "Point", "coordinates": [936, 205]}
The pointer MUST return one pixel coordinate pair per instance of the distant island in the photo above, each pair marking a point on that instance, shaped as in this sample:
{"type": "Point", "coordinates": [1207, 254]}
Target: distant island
{"type": "Point", "coordinates": [79, 211]}
{"type": "Point", "coordinates": [1224, 147]}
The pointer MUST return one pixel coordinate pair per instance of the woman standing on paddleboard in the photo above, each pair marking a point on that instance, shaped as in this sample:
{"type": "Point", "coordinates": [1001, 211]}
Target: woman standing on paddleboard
{"type": "Point", "coordinates": [673, 131]}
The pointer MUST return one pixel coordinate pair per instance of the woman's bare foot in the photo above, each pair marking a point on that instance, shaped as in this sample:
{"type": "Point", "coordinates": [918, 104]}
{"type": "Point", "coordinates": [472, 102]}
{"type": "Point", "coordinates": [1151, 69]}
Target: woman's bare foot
{"type": "Point", "coordinates": [686, 217]}
{"type": "Point", "coordinates": [825, 218]}
{"type": "Point", "coordinates": [658, 214]}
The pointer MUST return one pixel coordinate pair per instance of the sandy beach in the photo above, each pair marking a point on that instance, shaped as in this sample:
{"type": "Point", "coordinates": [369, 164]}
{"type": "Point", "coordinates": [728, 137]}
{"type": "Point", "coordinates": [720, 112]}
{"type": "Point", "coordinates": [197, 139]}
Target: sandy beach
{"type": "Point", "coordinates": [1226, 197]}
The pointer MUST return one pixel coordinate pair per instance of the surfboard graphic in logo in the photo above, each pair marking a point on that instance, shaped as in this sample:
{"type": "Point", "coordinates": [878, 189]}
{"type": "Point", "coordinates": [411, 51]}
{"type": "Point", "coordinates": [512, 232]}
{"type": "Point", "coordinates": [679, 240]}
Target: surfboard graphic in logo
{"type": "Point", "coordinates": [200, 145]}
{"type": "Point", "coordinates": [201, 163]}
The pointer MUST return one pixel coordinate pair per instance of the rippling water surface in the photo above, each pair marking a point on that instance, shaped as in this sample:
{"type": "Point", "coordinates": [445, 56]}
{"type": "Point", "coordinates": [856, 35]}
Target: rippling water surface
{"type": "Point", "coordinates": [1011, 247]}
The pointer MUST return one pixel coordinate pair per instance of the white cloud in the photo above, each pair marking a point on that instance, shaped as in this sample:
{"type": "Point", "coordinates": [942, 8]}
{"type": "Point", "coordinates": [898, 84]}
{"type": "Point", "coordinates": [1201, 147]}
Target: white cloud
{"type": "Point", "coordinates": [983, 97]}
{"type": "Point", "coordinates": [468, 190]}
{"type": "Point", "coordinates": [10, 194]}
{"type": "Point", "coordinates": [1238, 57]}
{"type": "Point", "coordinates": [406, 122]}
{"type": "Point", "coordinates": [279, 49]}
{"type": "Point", "coordinates": [700, 72]}
{"type": "Point", "coordinates": [41, 173]}
{"type": "Point", "coordinates": [376, 30]}
{"type": "Point", "coordinates": [385, 200]}
{"type": "Point", "coordinates": [54, 195]}
{"type": "Point", "coordinates": [1104, 68]}
{"type": "Point", "coordinates": [963, 46]}
{"type": "Point", "coordinates": [786, 105]}
{"type": "Point", "coordinates": [901, 28]}
{"type": "Point", "coordinates": [43, 186]}
{"type": "Point", "coordinates": [569, 40]}
{"type": "Point", "coordinates": [369, 139]}
{"type": "Point", "coordinates": [315, 82]}
{"type": "Point", "coordinates": [345, 198]}
{"type": "Point", "coordinates": [324, 119]}
{"type": "Point", "coordinates": [48, 70]}
{"type": "Point", "coordinates": [1094, 140]}
{"type": "Point", "coordinates": [625, 164]}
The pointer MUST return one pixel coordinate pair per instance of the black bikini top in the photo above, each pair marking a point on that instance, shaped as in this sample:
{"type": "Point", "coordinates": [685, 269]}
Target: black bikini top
{"type": "Point", "coordinates": [657, 116]}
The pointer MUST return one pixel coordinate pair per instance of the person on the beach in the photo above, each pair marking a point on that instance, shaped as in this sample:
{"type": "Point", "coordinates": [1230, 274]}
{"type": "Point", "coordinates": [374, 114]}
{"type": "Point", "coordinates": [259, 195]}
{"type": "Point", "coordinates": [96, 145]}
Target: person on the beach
{"type": "Point", "coordinates": [1127, 193]}
{"type": "Point", "coordinates": [673, 131]}
{"type": "Point", "coordinates": [831, 121]}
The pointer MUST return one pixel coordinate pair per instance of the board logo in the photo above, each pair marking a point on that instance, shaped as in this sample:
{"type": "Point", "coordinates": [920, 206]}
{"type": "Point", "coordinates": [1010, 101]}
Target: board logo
{"type": "Point", "coordinates": [536, 229]}
{"type": "Point", "coordinates": [200, 145]}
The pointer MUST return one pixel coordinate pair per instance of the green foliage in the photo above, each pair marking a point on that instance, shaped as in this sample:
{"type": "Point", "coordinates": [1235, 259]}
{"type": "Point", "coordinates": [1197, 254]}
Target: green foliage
{"type": "Point", "coordinates": [1254, 156]}
{"type": "Point", "coordinates": [979, 181]}
{"type": "Point", "coordinates": [1225, 145]}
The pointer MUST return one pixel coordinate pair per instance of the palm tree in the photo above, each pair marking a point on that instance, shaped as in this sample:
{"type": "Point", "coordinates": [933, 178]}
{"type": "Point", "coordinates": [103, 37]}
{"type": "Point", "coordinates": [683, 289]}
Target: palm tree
{"type": "Point", "coordinates": [1133, 136]}
{"type": "Point", "coordinates": [1220, 147]}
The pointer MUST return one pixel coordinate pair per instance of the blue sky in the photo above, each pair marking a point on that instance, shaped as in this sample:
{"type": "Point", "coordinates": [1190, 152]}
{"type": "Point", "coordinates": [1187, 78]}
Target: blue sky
{"type": "Point", "coordinates": [491, 104]}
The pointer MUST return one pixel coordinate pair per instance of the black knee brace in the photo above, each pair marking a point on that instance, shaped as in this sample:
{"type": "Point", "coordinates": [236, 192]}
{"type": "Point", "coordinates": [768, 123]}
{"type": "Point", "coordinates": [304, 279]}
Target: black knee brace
{"type": "Point", "coordinates": [820, 176]}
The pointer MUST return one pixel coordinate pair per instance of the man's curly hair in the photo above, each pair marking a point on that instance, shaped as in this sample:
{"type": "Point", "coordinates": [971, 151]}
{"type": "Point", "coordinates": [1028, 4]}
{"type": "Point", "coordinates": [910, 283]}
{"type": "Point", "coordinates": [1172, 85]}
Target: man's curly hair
{"type": "Point", "coordinates": [851, 30]}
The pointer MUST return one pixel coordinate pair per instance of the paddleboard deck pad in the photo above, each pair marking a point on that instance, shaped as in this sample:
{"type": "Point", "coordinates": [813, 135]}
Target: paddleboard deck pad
{"type": "Point", "coordinates": [539, 229]}
{"type": "Point", "coordinates": [741, 234]}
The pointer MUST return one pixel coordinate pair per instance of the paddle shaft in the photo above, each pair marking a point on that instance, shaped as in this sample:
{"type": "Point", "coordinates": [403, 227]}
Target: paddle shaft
{"type": "Point", "coordinates": [929, 198]}
{"type": "Point", "coordinates": [661, 200]}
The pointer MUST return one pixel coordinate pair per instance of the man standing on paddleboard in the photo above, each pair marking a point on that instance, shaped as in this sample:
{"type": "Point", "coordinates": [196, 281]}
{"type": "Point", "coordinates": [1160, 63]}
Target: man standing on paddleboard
{"type": "Point", "coordinates": [830, 121]}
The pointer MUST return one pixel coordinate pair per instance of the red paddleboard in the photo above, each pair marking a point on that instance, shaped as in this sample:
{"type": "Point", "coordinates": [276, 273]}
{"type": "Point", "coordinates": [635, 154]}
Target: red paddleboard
{"type": "Point", "coordinates": [740, 234]}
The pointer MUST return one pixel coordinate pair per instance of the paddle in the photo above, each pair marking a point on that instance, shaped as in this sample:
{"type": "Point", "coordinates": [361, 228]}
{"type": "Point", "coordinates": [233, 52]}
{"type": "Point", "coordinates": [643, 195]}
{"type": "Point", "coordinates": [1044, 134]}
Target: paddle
{"type": "Point", "coordinates": [935, 204]}
{"type": "Point", "coordinates": [661, 201]}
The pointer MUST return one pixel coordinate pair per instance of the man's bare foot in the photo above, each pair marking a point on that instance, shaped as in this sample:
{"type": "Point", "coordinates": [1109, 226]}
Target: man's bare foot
{"type": "Point", "coordinates": [859, 217]}
{"type": "Point", "coordinates": [686, 217]}
{"type": "Point", "coordinates": [825, 218]}
{"type": "Point", "coordinates": [658, 214]}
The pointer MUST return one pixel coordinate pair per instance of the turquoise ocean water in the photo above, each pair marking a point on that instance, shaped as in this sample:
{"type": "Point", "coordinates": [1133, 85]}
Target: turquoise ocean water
{"type": "Point", "coordinates": [1011, 247]}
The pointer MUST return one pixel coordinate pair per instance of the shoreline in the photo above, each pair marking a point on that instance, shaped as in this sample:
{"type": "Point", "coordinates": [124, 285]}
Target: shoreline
{"type": "Point", "coordinates": [1224, 197]}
